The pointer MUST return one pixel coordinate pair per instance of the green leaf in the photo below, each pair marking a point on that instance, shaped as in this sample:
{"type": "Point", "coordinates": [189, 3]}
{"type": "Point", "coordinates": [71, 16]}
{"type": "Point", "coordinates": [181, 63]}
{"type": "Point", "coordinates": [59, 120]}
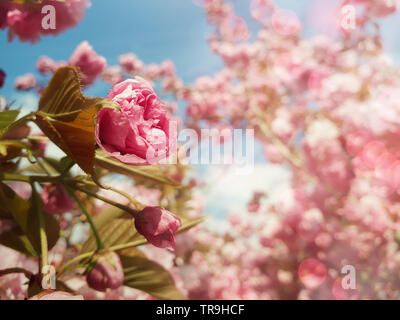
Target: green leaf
{"type": "Point", "coordinates": [11, 149]}
{"type": "Point", "coordinates": [52, 166]}
{"type": "Point", "coordinates": [141, 174]}
{"type": "Point", "coordinates": [114, 227]}
{"type": "Point", "coordinates": [190, 223]}
{"type": "Point", "coordinates": [3, 150]}
{"type": "Point", "coordinates": [6, 119]}
{"type": "Point", "coordinates": [63, 98]}
{"type": "Point", "coordinates": [148, 276]}
{"type": "Point", "coordinates": [38, 169]}
{"type": "Point", "coordinates": [17, 209]}
{"type": "Point", "coordinates": [15, 206]}
{"type": "Point", "coordinates": [52, 228]}
{"type": "Point", "coordinates": [68, 118]}
{"type": "Point", "coordinates": [27, 219]}
{"type": "Point", "coordinates": [18, 242]}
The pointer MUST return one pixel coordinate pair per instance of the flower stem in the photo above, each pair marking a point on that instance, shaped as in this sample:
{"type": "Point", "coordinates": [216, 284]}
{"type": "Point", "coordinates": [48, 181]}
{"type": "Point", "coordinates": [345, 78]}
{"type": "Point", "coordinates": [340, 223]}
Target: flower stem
{"type": "Point", "coordinates": [42, 166]}
{"type": "Point", "coordinates": [113, 203]}
{"type": "Point", "coordinates": [128, 245]}
{"type": "Point", "coordinates": [42, 228]}
{"type": "Point", "coordinates": [71, 193]}
{"type": "Point", "coordinates": [4, 272]}
{"type": "Point", "coordinates": [67, 265]}
{"type": "Point", "coordinates": [28, 179]}
{"type": "Point", "coordinates": [136, 203]}
{"type": "Point", "coordinates": [67, 169]}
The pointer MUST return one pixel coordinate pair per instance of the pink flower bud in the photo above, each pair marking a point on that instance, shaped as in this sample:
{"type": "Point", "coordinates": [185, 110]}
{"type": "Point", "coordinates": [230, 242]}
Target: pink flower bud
{"type": "Point", "coordinates": [107, 272]}
{"type": "Point", "coordinates": [158, 226]}
{"type": "Point", "coordinates": [139, 133]}
{"type": "Point", "coordinates": [55, 295]}
{"type": "Point", "coordinates": [56, 199]}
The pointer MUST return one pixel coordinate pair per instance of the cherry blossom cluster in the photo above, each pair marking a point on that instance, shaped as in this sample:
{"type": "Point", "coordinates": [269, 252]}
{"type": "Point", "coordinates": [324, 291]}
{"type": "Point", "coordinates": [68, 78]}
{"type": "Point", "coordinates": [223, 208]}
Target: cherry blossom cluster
{"type": "Point", "coordinates": [326, 108]}
{"type": "Point", "coordinates": [25, 21]}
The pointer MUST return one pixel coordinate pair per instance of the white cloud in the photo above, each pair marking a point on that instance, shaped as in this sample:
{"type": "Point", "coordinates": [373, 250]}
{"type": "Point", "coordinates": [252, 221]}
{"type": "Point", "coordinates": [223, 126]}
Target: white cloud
{"type": "Point", "coordinates": [227, 191]}
{"type": "Point", "coordinates": [27, 101]}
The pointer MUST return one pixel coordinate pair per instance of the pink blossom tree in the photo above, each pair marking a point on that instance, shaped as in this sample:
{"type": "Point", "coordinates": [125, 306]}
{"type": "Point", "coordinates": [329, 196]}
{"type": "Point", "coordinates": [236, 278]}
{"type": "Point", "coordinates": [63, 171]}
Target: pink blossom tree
{"type": "Point", "coordinates": [325, 108]}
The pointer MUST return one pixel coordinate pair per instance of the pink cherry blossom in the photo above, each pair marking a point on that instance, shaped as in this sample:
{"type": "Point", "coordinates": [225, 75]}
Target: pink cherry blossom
{"type": "Point", "coordinates": [25, 22]}
{"type": "Point", "coordinates": [379, 8]}
{"type": "Point", "coordinates": [25, 82]}
{"type": "Point", "coordinates": [89, 63]}
{"type": "Point", "coordinates": [312, 273]}
{"type": "Point", "coordinates": [56, 199]}
{"type": "Point", "coordinates": [341, 293]}
{"type": "Point", "coordinates": [261, 9]}
{"type": "Point", "coordinates": [130, 63]}
{"type": "Point", "coordinates": [324, 109]}
{"type": "Point", "coordinates": [46, 65]}
{"type": "Point", "coordinates": [20, 188]}
{"type": "Point", "coordinates": [285, 22]}
{"type": "Point", "coordinates": [112, 75]}
{"type": "Point", "coordinates": [153, 71]}
{"type": "Point", "coordinates": [138, 133]}
{"type": "Point", "coordinates": [13, 286]}
{"type": "Point", "coordinates": [167, 68]}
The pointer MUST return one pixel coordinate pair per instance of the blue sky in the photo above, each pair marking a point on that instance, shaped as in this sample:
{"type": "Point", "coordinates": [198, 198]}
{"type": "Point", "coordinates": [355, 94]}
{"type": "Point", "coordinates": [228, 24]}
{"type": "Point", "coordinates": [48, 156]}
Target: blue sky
{"type": "Point", "coordinates": [156, 30]}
